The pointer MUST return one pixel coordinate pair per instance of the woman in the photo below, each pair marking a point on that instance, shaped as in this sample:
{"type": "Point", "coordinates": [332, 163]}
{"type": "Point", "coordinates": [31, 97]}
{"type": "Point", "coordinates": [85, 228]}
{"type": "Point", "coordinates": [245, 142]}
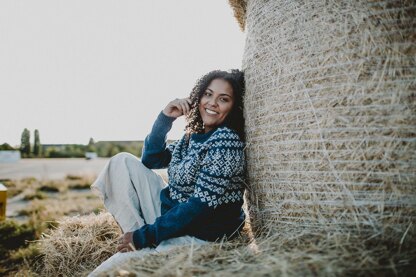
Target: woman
{"type": "Point", "coordinates": [206, 170]}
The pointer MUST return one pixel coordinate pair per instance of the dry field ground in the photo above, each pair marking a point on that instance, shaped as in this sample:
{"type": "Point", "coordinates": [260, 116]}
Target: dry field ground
{"type": "Point", "coordinates": [61, 229]}
{"type": "Point", "coordinates": [33, 210]}
{"type": "Point", "coordinates": [51, 168]}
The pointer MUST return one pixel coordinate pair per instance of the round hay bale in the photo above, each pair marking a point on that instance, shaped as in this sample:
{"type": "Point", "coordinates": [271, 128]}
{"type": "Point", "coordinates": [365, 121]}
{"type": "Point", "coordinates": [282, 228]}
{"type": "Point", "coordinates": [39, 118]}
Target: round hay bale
{"type": "Point", "coordinates": [330, 116]}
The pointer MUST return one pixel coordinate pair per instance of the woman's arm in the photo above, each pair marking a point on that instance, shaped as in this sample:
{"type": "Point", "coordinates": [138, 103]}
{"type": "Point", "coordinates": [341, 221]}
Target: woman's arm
{"type": "Point", "coordinates": [155, 154]}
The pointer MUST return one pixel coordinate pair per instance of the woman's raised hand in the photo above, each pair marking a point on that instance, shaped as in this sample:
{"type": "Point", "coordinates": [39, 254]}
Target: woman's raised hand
{"type": "Point", "coordinates": [178, 107]}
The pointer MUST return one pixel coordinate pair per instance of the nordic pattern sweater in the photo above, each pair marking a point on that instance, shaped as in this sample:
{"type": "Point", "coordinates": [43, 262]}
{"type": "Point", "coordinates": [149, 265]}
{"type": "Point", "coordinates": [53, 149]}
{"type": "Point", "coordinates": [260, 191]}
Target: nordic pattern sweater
{"type": "Point", "coordinates": [206, 184]}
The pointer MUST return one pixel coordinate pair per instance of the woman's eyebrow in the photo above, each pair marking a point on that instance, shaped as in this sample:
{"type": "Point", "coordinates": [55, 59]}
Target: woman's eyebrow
{"type": "Point", "coordinates": [222, 94]}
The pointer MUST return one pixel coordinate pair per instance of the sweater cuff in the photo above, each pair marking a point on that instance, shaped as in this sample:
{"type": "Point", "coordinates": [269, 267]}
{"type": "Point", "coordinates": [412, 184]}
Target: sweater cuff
{"type": "Point", "coordinates": [140, 240]}
{"type": "Point", "coordinates": [164, 119]}
{"type": "Point", "coordinates": [162, 125]}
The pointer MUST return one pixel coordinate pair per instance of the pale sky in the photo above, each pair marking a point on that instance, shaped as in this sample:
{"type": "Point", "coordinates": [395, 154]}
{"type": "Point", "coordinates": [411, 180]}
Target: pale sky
{"type": "Point", "coordinates": [77, 69]}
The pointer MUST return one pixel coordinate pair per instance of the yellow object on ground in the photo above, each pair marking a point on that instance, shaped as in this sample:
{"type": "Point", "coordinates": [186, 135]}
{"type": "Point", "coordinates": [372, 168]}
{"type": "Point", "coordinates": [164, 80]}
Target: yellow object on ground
{"type": "Point", "coordinates": [3, 200]}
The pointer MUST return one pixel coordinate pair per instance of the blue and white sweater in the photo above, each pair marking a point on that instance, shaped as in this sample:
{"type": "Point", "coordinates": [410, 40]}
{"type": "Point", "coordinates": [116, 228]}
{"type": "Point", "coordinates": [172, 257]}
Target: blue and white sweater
{"type": "Point", "coordinates": [206, 184]}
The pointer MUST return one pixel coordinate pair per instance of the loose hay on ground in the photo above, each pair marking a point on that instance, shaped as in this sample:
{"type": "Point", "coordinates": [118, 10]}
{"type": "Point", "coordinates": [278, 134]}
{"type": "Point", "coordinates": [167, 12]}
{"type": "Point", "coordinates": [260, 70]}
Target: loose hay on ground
{"type": "Point", "coordinates": [78, 245]}
{"type": "Point", "coordinates": [299, 255]}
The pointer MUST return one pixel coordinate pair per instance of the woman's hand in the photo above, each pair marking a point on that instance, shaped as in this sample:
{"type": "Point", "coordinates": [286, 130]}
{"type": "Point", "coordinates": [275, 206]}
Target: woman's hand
{"type": "Point", "coordinates": [125, 243]}
{"type": "Point", "coordinates": [178, 107]}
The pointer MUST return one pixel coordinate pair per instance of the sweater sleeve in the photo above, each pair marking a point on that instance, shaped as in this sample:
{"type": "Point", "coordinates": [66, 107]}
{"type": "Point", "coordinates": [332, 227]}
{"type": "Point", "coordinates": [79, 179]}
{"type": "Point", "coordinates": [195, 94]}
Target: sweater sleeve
{"type": "Point", "coordinates": [155, 154]}
{"type": "Point", "coordinates": [224, 160]}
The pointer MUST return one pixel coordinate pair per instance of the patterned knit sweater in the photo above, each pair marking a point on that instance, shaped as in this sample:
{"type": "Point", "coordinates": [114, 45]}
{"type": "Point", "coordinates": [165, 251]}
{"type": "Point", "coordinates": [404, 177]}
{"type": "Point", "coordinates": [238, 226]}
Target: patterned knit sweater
{"type": "Point", "coordinates": [206, 184]}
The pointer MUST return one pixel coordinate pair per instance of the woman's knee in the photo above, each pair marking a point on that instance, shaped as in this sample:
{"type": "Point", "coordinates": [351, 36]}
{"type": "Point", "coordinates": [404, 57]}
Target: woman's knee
{"type": "Point", "coordinates": [126, 158]}
{"type": "Point", "coordinates": [122, 156]}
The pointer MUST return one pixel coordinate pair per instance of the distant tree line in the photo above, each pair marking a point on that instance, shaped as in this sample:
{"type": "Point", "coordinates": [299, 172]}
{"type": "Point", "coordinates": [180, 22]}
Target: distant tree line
{"type": "Point", "coordinates": [102, 148]}
{"type": "Point", "coordinates": [6, 146]}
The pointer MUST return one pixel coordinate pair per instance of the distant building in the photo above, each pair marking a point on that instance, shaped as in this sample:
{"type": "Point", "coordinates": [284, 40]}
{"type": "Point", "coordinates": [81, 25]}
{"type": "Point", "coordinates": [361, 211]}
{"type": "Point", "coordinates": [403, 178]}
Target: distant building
{"type": "Point", "coordinates": [9, 156]}
{"type": "Point", "coordinates": [90, 155]}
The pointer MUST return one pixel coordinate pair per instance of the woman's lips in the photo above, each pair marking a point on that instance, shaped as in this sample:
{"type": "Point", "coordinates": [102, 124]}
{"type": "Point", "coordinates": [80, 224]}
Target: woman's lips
{"type": "Point", "coordinates": [211, 112]}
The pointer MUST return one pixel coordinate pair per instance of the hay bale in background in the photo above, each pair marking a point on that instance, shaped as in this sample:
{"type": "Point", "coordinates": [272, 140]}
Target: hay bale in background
{"type": "Point", "coordinates": [330, 116]}
{"type": "Point", "coordinates": [78, 245]}
{"type": "Point", "coordinates": [239, 8]}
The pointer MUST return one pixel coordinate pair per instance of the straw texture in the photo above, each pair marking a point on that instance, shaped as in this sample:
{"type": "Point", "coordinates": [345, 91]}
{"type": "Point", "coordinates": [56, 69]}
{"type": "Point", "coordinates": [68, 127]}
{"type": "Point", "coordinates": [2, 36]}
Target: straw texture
{"type": "Point", "coordinates": [239, 7]}
{"type": "Point", "coordinates": [330, 116]}
{"type": "Point", "coordinates": [78, 245]}
{"type": "Point", "coordinates": [298, 255]}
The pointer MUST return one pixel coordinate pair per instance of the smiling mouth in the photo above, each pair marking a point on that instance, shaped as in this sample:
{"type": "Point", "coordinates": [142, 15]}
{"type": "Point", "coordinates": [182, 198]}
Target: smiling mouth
{"type": "Point", "coordinates": [211, 112]}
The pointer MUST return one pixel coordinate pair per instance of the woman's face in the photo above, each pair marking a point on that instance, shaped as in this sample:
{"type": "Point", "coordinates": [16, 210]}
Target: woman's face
{"type": "Point", "coordinates": [216, 103]}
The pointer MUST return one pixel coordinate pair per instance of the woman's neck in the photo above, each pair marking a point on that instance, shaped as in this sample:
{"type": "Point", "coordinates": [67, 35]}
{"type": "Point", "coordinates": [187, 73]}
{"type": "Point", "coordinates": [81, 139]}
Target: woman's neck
{"type": "Point", "coordinates": [207, 129]}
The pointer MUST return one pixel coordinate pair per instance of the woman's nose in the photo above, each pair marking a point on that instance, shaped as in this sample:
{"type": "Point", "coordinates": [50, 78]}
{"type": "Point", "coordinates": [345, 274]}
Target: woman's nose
{"type": "Point", "coordinates": [212, 101]}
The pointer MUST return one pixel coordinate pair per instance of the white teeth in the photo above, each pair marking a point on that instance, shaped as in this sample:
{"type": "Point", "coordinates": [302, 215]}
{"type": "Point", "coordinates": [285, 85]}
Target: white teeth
{"type": "Point", "coordinates": [210, 112]}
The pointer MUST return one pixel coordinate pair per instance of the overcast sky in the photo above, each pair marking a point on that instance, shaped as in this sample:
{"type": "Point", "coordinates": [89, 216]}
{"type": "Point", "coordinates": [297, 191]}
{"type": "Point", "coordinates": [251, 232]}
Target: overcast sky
{"type": "Point", "coordinates": [77, 69]}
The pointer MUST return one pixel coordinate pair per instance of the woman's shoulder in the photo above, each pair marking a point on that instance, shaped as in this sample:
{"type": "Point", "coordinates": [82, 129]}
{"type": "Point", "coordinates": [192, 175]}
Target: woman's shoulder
{"type": "Point", "coordinates": [226, 134]}
{"type": "Point", "coordinates": [224, 131]}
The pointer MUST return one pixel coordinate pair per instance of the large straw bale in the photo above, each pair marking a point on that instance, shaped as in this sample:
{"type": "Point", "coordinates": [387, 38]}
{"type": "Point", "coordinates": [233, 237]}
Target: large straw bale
{"type": "Point", "coordinates": [330, 117]}
{"type": "Point", "coordinates": [78, 245]}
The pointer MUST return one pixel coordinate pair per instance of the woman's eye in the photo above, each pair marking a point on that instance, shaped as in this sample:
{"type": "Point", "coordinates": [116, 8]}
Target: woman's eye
{"type": "Point", "coordinates": [207, 93]}
{"type": "Point", "coordinates": [224, 99]}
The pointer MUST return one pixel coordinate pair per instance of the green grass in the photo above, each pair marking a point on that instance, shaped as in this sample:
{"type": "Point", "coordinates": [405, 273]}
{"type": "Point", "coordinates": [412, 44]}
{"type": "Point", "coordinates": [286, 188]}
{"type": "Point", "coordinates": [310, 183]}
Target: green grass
{"type": "Point", "coordinates": [35, 195]}
{"type": "Point", "coordinates": [48, 188]}
{"type": "Point", "coordinates": [80, 186]}
{"type": "Point", "coordinates": [15, 238]}
{"type": "Point", "coordinates": [73, 177]}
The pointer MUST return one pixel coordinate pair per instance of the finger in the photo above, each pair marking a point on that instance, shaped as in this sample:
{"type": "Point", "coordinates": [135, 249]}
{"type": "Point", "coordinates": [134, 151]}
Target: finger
{"type": "Point", "coordinates": [189, 105]}
{"type": "Point", "coordinates": [187, 108]}
{"type": "Point", "coordinates": [178, 106]}
{"type": "Point", "coordinates": [186, 105]}
{"type": "Point", "coordinates": [132, 247]}
{"type": "Point", "coordinates": [183, 107]}
{"type": "Point", "coordinates": [174, 103]}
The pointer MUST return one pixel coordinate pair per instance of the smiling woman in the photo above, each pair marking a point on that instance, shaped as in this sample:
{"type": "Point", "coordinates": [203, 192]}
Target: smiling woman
{"type": "Point", "coordinates": [204, 196]}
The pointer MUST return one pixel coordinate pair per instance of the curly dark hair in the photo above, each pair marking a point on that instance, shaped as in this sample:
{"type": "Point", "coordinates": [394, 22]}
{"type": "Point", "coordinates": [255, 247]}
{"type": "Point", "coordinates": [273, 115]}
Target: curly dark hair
{"type": "Point", "coordinates": [235, 119]}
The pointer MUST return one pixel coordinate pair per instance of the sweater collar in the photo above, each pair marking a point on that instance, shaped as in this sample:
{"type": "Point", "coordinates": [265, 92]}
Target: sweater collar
{"type": "Point", "coordinates": [203, 137]}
